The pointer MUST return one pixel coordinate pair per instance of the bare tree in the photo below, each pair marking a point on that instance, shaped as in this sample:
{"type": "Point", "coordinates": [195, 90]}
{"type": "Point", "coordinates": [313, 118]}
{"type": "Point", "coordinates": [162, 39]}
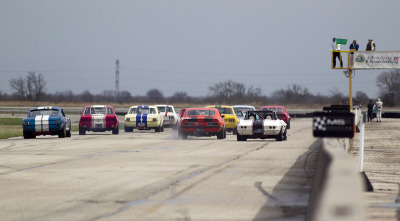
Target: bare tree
{"type": "Point", "coordinates": [155, 95]}
{"type": "Point", "coordinates": [31, 88]}
{"type": "Point", "coordinates": [361, 98]}
{"type": "Point", "coordinates": [18, 85]}
{"type": "Point", "coordinates": [179, 97]}
{"type": "Point", "coordinates": [388, 83]}
{"type": "Point", "coordinates": [294, 93]}
{"type": "Point", "coordinates": [86, 96]}
{"type": "Point", "coordinates": [337, 96]}
{"type": "Point", "coordinates": [227, 91]}
{"type": "Point", "coordinates": [35, 86]}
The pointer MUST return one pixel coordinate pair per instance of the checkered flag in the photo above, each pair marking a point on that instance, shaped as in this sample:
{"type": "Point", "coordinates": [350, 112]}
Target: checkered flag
{"type": "Point", "coordinates": [319, 124]}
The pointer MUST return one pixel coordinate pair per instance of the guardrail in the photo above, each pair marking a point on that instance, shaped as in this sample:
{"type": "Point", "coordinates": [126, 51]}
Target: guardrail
{"type": "Point", "coordinates": [337, 192]}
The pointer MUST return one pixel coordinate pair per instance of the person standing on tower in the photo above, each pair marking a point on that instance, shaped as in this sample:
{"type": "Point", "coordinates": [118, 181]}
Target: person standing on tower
{"type": "Point", "coordinates": [371, 45]}
{"type": "Point", "coordinates": [336, 48]}
{"type": "Point", "coordinates": [353, 47]}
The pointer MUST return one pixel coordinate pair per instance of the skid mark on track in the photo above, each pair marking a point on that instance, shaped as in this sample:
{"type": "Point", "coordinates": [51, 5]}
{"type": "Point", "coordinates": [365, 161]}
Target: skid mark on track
{"type": "Point", "coordinates": [218, 169]}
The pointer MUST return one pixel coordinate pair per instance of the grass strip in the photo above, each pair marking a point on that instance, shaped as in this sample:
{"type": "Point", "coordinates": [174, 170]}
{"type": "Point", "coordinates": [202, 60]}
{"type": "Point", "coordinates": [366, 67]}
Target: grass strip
{"type": "Point", "coordinates": [10, 127]}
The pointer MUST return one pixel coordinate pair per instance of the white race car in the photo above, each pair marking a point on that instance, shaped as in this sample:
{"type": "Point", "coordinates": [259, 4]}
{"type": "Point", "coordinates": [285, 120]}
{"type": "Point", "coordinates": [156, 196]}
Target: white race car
{"type": "Point", "coordinates": [169, 115]}
{"type": "Point", "coordinates": [261, 124]}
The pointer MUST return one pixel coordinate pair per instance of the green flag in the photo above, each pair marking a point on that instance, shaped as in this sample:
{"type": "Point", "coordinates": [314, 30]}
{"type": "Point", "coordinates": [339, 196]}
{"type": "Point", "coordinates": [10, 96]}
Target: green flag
{"type": "Point", "coordinates": [341, 41]}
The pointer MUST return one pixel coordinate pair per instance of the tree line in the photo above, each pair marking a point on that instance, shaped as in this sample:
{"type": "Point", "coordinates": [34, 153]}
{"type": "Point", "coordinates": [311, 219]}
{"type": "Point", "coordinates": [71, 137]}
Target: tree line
{"type": "Point", "coordinates": [33, 88]}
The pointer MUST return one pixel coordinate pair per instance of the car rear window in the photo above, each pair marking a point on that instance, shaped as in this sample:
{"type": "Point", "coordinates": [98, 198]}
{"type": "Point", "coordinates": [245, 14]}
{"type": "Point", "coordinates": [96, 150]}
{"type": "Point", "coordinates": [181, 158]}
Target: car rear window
{"type": "Point", "coordinates": [142, 111]}
{"type": "Point", "coordinates": [201, 113]}
{"type": "Point", "coordinates": [164, 109]}
{"type": "Point", "coordinates": [276, 109]}
{"type": "Point", "coordinates": [239, 113]}
{"type": "Point", "coordinates": [99, 110]}
{"type": "Point", "coordinates": [225, 110]}
{"type": "Point", "coordinates": [43, 112]}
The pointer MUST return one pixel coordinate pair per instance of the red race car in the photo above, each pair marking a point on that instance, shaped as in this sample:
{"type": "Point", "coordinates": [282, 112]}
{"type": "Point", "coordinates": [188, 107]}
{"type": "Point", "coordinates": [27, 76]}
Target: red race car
{"type": "Point", "coordinates": [98, 118]}
{"type": "Point", "coordinates": [202, 122]}
{"type": "Point", "coordinates": [280, 112]}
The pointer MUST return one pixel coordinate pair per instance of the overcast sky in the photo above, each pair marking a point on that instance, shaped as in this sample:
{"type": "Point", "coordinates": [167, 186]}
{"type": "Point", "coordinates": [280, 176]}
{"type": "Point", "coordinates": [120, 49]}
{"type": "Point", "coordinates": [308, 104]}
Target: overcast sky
{"type": "Point", "coordinates": [190, 45]}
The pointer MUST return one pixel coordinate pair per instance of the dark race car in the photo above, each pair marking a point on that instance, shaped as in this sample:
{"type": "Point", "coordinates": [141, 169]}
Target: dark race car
{"type": "Point", "coordinates": [98, 118]}
{"type": "Point", "coordinates": [202, 122]}
{"type": "Point", "coordinates": [46, 121]}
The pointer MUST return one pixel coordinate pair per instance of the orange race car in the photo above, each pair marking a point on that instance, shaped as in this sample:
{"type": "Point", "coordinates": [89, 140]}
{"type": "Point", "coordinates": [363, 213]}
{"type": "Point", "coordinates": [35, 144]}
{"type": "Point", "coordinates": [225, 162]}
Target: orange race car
{"type": "Point", "coordinates": [202, 122]}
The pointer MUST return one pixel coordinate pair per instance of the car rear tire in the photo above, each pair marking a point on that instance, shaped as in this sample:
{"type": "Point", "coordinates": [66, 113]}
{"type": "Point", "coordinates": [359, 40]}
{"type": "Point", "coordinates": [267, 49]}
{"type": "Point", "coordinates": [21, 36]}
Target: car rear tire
{"type": "Point", "coordinates": [235, 131]}
{"type": "Point", "coordinates": [69, 132]}
{"type": "Point", "coordinates": [240, 137]}
{"type": "Point", "coordinates": [288, 125]}
{"type": "Point", "coordinates": [220, 135]}
{"type": "Point", "coordinates": [62, 133]}
{"type": "Point", "coordinates": [279, 137]}
{"type": "Point", "coordinates": [116, 130]}
{"type": "Point", "coordinates": [128, 129]}
{"type": "Point", "coordinates": [81, 130]}
{"type": "Point", "coordinates": [28, 135]}
{"type": "Point", "coordinates": [285, 135]}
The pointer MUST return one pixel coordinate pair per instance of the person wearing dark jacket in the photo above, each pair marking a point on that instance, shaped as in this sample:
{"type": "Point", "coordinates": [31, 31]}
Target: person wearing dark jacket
{"type": "Point", "coordinates": [371, 45]}
{"type": "Point", "coordinates": [370, 109]}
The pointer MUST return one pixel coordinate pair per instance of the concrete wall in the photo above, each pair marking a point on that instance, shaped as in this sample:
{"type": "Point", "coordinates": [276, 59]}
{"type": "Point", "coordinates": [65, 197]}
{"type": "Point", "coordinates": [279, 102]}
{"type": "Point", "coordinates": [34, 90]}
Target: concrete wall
{"type": "Point", "coordinates": [338, 187]}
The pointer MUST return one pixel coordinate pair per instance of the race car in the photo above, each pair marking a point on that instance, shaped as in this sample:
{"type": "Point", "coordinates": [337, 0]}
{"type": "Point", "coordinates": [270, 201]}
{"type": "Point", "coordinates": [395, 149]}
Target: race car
{"type": "Point", "coordinates": [46, 121]}
{"type": "Point", "coordinates": [98, 118]}
{"type": "Point", "coordinates": [280, 112]}
{"type": "Point", "coordinates": [202, 122]}
{"type": "Point", "coordinates": [261, 124]}
{"type": "Point", "coordinates": [143, 117]}
{"type": "Point", "coordinates": [170, 116]}
{"type": "Point", "coordinates": [229, 116]}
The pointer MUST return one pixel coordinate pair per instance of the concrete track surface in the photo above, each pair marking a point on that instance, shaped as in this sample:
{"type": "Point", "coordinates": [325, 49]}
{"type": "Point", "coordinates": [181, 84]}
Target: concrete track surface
{"type": "Point", "coordinates": [154, 176]}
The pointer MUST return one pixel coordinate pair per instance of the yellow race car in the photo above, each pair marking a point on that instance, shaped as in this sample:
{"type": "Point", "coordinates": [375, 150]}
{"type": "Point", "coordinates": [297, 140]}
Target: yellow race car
{"type": "Point", "coordinates": [229, 116]}
{"type": "Point", "coordinates": [143, 117]}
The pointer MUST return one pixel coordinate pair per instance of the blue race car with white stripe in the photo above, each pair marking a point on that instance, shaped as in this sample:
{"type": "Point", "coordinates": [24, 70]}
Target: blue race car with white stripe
{"type": "Point", "coordinates": [46, 121]}
{"type": "Point", "coordinates": [143, 117]}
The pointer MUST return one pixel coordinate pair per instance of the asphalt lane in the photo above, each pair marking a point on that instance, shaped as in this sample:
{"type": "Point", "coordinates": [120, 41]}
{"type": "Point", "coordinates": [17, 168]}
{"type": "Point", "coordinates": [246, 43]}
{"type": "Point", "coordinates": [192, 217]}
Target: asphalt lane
{"type": "Point", "coordinates": [154, 176]}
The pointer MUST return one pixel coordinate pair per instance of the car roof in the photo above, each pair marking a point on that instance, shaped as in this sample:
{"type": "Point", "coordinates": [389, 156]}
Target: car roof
{"type": "Point", "coordinates": [143, 106]}
{"type": "Point", "coordinates": [98, 106]}
{"type": "Point", "coordinates": [243, 106]}
{"type": "Point", "coordinates": [163, 105]}
{"type": "Point", "coordinates": [215, 106]}
{"type": "Point", "coordinates": [46, 108]}
{"type": "Point", "coordinates": [272, 106]}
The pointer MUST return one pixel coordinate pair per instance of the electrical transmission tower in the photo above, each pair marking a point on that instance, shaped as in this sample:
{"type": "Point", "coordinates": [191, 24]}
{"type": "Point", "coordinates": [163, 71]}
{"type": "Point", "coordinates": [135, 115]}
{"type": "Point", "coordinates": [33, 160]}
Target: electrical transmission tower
{"type": "Point", "coordinates": [117, 77]}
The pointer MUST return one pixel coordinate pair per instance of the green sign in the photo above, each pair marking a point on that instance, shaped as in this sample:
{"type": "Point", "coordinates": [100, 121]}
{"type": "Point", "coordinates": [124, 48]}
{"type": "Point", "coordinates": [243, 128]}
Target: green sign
{"type": "Point", "coordinates": [341, 41]}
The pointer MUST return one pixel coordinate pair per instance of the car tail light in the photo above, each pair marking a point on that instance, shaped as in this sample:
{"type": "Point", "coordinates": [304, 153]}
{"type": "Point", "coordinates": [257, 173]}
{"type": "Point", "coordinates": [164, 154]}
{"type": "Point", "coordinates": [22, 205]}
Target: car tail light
{"type": "Point", "coordinates": [26, 123]}
{"type": "Point", "coordinates": [243, 127]}
{"type": "Point", "coordinates": [128, 119]}
{"type": "Point", "coordinates": [57, 122]}
{"type": "Point", "coordinates": [212, 124]}
{"type": "Point", "coordinates": [187, 123]}
{"type": "Point", "coordinates": [154, 119]}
